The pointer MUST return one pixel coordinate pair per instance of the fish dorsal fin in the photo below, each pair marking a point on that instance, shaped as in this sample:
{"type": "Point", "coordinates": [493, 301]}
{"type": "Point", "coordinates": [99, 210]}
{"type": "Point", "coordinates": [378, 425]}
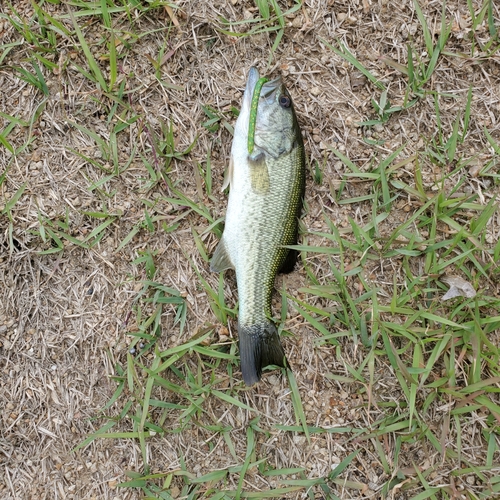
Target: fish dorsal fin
{"type": "Point", "coordinates": [220, 259]}
{"type": "Point", "coordinates": [259, 175]}
{"type": "Point", "coordinates": [229, 174]}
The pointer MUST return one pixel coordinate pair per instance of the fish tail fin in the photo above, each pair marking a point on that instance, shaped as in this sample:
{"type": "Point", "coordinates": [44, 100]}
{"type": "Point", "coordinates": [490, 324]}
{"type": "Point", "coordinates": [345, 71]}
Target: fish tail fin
{"type": "Point", "coordinates": [260, 346]}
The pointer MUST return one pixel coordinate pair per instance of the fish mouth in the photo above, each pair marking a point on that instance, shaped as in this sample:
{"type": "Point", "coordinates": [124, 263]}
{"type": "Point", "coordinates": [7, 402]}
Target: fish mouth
{"type": "Point", "coordinates": [268, 88]}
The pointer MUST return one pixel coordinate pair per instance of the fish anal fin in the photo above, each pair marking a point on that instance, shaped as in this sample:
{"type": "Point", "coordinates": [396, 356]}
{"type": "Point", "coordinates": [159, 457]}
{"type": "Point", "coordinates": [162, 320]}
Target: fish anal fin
{"type": "Point", "coordinates": [290, 261]}
{"type": "Point", "coordinates": [220, 259]}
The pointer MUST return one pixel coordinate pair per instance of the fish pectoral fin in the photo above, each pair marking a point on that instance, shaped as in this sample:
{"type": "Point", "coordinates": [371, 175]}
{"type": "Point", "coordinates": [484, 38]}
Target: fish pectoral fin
{"type": "Point", "coordinates": [220, 259]}
{"type": "Point", "coordinates": [259, 175]}
{"type": "Point", "coordinates": [229, 175]}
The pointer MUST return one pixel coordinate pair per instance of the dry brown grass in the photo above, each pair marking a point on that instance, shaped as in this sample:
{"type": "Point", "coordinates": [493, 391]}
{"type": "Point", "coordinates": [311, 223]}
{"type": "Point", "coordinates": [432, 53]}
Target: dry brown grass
{"type": "Point", "coordinates": [64, 317]}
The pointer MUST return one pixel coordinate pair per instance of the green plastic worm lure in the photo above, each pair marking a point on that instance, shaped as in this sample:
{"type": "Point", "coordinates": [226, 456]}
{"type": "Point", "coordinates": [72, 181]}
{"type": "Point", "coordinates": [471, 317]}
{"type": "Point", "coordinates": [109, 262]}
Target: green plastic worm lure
{"type": "Point", "coordinates": [253, 113]}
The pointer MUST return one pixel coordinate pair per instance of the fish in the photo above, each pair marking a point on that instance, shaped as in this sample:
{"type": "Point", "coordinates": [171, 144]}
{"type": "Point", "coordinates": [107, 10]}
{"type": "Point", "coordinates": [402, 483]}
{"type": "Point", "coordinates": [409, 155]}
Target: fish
{"type": "Point", "coordinates": [266, 175]}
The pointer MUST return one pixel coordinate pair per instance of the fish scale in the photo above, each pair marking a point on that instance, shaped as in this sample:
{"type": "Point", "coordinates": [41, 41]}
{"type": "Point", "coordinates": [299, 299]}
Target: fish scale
{"type": "Point", "coordinates": [278, 212]}
{"type": "Point", "coordinates": [265, 199]}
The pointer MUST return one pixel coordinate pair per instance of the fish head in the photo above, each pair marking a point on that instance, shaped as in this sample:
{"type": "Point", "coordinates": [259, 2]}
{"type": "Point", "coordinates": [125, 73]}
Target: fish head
{"type": "Point", "coordinates": [276, 129]}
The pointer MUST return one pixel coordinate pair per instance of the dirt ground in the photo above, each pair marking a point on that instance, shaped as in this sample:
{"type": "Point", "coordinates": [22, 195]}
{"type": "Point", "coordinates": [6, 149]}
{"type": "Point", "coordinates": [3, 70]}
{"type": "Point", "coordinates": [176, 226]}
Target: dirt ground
{"type": "Point", "coordinates": [64, 316]}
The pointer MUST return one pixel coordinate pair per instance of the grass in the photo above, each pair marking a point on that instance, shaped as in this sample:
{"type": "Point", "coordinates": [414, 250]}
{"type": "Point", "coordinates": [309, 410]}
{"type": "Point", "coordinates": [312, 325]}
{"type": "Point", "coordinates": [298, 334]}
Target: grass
{"type": "Point", "coordinates": [271, 20]}
{"type": "Point", "coordinates": [416, 333]}
{"type": "Point", "coordinates": [421, 374]}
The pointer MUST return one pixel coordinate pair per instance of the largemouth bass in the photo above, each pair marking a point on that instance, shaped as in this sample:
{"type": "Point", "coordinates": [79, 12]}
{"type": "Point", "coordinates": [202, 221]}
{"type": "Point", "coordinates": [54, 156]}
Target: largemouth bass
{"type": "Point", "coordinates": [266, 176]}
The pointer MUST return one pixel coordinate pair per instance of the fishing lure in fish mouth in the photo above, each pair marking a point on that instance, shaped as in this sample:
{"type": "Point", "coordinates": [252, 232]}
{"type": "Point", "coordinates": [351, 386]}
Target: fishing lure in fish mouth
{"type": "Point", "coordinates": [253, 112]}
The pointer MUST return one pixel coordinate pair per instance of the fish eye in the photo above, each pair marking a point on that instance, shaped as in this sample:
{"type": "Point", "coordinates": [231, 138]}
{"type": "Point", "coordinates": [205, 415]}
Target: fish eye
{"type": "Point", "coordinates": [284, 101]}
